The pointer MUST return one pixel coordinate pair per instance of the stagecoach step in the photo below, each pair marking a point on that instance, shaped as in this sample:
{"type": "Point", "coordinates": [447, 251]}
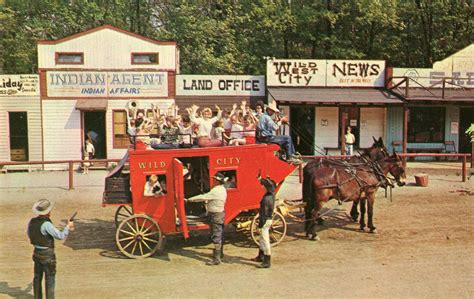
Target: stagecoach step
{"type": "Point", "coordinates": [195, 220]}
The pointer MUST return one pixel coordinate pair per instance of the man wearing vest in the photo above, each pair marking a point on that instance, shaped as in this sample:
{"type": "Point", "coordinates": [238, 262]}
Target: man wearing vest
{"type": "Point", "coordinates": [215, 201]}
{"type": "Point", "coordinates": [42, 233]}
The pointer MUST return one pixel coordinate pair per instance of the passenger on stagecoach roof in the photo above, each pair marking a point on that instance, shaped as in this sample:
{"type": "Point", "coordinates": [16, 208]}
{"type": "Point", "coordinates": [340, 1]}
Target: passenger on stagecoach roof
{"type": "Point", "coordinates": [267, 127]}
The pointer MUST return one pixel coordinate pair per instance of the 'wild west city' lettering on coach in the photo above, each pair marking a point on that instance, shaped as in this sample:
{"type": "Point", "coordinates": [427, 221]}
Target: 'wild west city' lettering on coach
{"type": "Point", "coordinates": [107, 84]}
{"type": "Point", "coordinates": [325, 73]}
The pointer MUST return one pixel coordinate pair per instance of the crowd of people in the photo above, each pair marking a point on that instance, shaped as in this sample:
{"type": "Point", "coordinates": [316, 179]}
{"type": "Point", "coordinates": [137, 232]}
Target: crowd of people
{"type": "Point", "coordinates": [196, 126]}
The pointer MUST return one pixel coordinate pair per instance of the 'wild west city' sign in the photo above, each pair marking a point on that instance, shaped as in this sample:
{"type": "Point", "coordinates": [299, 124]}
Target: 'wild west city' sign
{"type": "Point", "coordinates": [19, 85]}
{"type": "Point", "coordinates": [220, 85]}
{"type": "Point", "coordinates": [107, 84]}
{"type": "Point", "coordinates": [325, 73]}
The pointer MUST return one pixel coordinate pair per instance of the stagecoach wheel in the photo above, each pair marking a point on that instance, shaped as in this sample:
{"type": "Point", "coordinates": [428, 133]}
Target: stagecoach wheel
{"type": "Point", "coordinates": [138, 236]}
{"type": "Point", "coordinates": [277, 230]}
{"type": "Point", "coordinates": [122, 213]}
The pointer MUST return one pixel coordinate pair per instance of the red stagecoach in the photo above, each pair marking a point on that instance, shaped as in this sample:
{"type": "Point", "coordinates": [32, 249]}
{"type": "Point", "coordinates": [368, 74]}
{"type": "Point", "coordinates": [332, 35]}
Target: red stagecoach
{"type": "Point", "coordinates": [147, 213]}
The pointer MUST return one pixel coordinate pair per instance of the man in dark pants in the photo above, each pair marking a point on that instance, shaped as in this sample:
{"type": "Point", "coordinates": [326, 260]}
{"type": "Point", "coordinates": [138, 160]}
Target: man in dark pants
{"type": "Point", "coordinates": [215, 200]}
{"type": "Point", "coordinates": [267, 205]}
{"type": "Point", "coordinates": [42, 233]}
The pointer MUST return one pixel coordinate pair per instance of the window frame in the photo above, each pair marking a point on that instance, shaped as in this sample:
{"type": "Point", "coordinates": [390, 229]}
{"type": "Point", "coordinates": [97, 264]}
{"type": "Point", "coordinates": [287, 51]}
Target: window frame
{"type": "Point", "coordinates": [416, 126]}
{"type": "Point", "coordinates": [133, 54]}
{"type": "Point", "coordinates": [115, 143]}
{"type": "Point", "coordinates": [57, 54]}
{"type": "Point", "coordinates": [158, 174]}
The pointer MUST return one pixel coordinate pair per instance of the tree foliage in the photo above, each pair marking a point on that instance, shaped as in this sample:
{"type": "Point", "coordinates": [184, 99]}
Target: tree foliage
{"type": "Point", "coordinates": [233, 37]}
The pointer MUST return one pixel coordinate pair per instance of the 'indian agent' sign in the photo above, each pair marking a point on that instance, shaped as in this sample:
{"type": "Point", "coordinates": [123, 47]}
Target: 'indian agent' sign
{"type": "Point", "coordinates": [206, 85]}
{"type": "Point", "coordinates": [107, 84]}
{"type": "Point", "coordinates": [325, 73]}
{"type": "Point", "coordinates": [19, 85]}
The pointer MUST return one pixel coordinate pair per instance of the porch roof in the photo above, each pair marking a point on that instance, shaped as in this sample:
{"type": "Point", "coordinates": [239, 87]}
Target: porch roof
{"type": "Point", "coordinates": [451, 95]}
{"type": "Point", "coordinates": [334, 96]}
{"type": "Point", "coordinates": [91, 104]}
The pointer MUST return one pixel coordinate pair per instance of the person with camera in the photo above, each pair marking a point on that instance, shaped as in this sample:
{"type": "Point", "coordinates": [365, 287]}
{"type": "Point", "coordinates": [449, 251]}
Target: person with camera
{"type": "Point", "coordinates": [42, 232]}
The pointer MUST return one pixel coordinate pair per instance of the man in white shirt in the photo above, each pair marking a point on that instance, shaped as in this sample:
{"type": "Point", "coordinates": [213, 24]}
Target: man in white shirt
{"type": "Point", "coordinates": [215, 202]}
{"type": "Point", "coordinates": [350, 141]}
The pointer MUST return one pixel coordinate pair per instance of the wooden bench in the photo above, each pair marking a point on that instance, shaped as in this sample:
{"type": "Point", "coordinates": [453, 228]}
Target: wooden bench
{"type": "Point", "coordinates": [435, 150]}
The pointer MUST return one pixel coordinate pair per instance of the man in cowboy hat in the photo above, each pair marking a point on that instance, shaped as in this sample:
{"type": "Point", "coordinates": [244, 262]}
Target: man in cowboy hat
{"type": "Point", "coordinates": [215, 201]}
{"type": "Point", "coordinates": [267, 128]}
{"type": "Point", "coordinates": [42, 233]}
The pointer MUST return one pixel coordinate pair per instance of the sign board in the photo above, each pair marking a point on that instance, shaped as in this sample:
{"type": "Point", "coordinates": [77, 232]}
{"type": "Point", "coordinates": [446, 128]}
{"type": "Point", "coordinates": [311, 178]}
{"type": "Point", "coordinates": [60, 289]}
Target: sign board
{"type": "Point", "coordinates": [19, 85]}
{"type": "Point", "coordinates": [454, 127]}
{"type": "Point", "coordinates": [82, 84]}
{"type": "Point", "coordinates": [434, 77]}
{"type": "Point", "coordinates": [207, 85]}
{"type": "Point", "coordinates": [325, 73]}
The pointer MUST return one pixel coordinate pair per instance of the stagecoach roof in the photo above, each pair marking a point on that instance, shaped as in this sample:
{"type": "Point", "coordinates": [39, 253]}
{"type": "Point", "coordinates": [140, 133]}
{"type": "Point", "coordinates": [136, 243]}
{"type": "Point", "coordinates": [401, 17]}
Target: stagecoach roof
{"type": "Point", "coordinates": [331, 96]}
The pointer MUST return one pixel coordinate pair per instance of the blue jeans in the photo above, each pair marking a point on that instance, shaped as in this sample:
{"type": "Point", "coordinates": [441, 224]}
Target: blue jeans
{"type": "Point", "coordinates": [349, 149]}
{"type": "Point", "coordinates": [45, 263]}
{"type": "Point", "coordinates": [285, 142]}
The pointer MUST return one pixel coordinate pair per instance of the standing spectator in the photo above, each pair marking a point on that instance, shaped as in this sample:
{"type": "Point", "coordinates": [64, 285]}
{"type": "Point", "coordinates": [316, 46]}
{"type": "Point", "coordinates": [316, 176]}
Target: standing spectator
{"type": "Point", "coordinates": [236, 134]}
{"type": "Point", "coordinates": [259, 109]}
{"type": "Point", "coordinates": [90, 149]}
{"type": "Point", "coordinates": [215, 200]}
{"type": "Point", "coordinates": [350, 141]}
{"type": "Point", "coordinates": [42, 233]}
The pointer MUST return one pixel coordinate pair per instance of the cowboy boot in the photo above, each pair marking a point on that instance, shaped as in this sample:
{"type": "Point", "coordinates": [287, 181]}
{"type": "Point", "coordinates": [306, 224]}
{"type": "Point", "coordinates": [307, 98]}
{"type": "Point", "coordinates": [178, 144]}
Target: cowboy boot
{"type": "Point", "coordinates": [266, 261]}
{"type": "Point", "coordinates": [259, 257]}
{"type": "Point", "coordinates": [216, 257]}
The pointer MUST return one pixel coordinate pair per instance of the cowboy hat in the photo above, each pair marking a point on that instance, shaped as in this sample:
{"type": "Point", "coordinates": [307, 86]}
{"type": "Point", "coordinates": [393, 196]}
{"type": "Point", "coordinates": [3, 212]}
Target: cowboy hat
{"type": "Point", "coordinates": [43, 207]}
{"type": "Point", "coordinates": [273, 107]}
{"type": "Point", "coordinates": [220, 177]}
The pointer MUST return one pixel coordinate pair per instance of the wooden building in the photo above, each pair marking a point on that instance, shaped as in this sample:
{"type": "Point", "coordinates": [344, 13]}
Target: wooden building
{"type": "Point", "coordinates": [88, 79]}
{"type": "Point", "coordinates": [20, 119]}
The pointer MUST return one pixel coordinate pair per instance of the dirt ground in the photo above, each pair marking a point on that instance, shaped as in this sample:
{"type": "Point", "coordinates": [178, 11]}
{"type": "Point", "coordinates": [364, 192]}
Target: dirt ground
{"type": "Point", "coordinates": [424, 248]}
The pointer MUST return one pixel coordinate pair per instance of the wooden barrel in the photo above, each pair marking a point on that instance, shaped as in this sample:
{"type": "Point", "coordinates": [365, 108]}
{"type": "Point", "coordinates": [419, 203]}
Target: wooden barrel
{"type": "Point", "coordinates": [421, 180]}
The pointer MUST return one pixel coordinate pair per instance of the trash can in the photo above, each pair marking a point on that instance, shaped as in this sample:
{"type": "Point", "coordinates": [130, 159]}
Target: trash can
{"type": "Point", "coordinates": [421, 180]}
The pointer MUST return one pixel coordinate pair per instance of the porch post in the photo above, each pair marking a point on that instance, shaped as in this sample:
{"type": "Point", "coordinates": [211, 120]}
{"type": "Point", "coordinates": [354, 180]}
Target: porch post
{"type": "Point", "coordinates": [405, 133]}
{"type": "Point", "coordinates": [343, 132]}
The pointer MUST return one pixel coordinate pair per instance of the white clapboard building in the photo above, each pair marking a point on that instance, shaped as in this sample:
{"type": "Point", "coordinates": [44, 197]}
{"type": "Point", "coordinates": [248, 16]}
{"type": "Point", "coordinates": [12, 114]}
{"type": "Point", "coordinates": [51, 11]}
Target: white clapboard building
{"type": "Point", "coordinates": [20, 120]}
{"type": "Point", "coordinates": [88, 79]}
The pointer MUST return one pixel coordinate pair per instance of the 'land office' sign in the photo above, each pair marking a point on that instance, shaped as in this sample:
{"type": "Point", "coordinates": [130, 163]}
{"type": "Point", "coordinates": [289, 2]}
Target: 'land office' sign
{"type": "Point", "coordinates": [19, 85]}
{"type": "Point", "coordinates": [206, 85]}
{"type": "Point", "coordinates": [325, 73]}
{"type": "Point", "coordinates": [107, 84]}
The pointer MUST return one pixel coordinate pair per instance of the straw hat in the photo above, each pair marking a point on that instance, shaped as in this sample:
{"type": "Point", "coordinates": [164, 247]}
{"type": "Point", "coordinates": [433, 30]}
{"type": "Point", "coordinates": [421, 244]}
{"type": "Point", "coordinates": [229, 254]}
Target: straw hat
{"type": "Point", "coordinates": [273, 107]}
{"type": "Point", "coordinates": [43, 207]}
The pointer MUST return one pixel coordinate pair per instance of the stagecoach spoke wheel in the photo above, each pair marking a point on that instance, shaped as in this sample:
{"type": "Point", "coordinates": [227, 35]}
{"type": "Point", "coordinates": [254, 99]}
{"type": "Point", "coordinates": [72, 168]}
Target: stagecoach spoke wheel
{"type": "Point", "coordinates": [138, 236]}
{"type": "Point", "coordinates": [122, 213]}
{"type": "Point", "coordinates": [277, 230]}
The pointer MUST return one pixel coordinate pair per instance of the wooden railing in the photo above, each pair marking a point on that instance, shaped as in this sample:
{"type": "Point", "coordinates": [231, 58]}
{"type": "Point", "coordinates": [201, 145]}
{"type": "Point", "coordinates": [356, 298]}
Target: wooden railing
{"type": "Point", "coordinates": [69, 162]}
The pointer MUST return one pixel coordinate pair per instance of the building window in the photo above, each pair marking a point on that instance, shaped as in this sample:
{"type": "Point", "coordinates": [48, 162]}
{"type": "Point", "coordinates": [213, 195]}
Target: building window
{"type": "Point", "coordinates": [426, 124]}
{"type": "Point", "coordinates": [121, 139]}
{"type": "Point", "coordinates": [144, 58]}
{"type": "Point", "coordinates": [69, 58]}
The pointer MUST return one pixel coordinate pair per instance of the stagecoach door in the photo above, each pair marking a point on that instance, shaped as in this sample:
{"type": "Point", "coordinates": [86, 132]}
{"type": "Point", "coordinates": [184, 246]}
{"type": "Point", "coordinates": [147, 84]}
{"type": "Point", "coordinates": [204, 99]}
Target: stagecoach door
{"type": "Point", "coordinates": [179, 196]}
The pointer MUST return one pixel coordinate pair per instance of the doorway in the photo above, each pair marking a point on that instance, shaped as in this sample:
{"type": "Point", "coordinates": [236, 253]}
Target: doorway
{"type": "Point", "coordinates": [18, 124]}
{"type": "Point", "coordinates": [352, 120]}
{"type": "Point", "coordinates": [465, 121]}
{"type": "Point", "coordinates": [94, 127]}
{"type": "Point", "coordinates": [302, 129]}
